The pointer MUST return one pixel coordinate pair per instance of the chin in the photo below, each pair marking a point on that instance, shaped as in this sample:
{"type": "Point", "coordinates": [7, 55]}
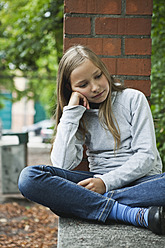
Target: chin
{"type": "Point", "coordinates": [99, 100]}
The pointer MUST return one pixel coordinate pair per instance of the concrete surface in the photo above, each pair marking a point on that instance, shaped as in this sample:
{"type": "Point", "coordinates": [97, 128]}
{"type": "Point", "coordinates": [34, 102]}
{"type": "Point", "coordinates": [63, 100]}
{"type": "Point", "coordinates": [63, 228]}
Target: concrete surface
{"type": "Point", "coordinates": [75, 233]}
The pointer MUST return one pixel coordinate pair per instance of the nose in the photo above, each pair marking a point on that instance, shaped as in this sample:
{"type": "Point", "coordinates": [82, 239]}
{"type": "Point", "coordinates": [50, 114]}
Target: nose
{"type": "Point", "coordinates": [94, 87]}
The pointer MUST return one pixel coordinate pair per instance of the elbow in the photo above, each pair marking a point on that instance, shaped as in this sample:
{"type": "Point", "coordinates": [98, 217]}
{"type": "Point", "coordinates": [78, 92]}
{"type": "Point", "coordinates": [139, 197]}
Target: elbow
{"type": "Point", "coordinates": [149, 158]}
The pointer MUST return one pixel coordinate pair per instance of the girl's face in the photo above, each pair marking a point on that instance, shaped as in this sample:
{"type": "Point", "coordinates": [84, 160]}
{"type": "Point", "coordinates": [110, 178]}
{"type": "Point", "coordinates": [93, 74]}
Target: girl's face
{"type": "Point", "coordinates": [88, 80]}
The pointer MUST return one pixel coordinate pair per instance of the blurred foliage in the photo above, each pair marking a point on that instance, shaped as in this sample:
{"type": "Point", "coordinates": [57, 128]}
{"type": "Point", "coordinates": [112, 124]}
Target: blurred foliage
{"type": "Point", "coordinates": [31, 41]}
{"type": "Point", "coordinates": [158, 74]}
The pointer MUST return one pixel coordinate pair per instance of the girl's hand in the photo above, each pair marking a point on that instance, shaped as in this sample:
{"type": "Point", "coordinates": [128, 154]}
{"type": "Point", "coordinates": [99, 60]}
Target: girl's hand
{"type": "Point", "coordinates": [94, 184]}
{"type": "Point", "coordinates": [77, 98]}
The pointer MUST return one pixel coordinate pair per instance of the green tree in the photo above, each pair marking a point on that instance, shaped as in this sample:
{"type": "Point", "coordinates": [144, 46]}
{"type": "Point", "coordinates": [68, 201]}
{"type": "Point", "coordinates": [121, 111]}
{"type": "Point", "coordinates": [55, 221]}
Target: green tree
{"type": "Point", "coordinates": [31, 41]}
{"type": "Point", "coordinates": [158, 74]}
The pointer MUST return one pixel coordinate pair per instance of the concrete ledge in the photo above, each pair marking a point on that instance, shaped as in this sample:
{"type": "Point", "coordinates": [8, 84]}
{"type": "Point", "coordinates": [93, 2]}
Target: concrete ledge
{"type": "Point", "coordinates": [75, 233]}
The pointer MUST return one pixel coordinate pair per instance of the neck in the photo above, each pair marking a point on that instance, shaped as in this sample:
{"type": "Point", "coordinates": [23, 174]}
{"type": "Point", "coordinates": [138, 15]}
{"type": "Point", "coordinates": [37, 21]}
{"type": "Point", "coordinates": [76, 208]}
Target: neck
{"type": "Point", "coordinates": [94, 105]}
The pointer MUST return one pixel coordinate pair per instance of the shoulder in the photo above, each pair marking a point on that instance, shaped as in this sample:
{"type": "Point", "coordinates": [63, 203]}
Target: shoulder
{"type": "Point", "coordinates": [130, 96]}
{"type": "Point", "coordinates": [130, 100]}
{"type": "Point", "coordinates": [130, 93]}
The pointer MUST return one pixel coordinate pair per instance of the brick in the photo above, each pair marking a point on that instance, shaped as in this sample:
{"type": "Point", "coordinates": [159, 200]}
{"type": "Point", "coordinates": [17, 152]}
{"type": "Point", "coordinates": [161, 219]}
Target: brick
{"type": "Point", "coordinates": [140, 7]}
{"type": "Point", "coordinates": [112, 46]}
{"type": "Point", "coordinates": [122, 26]}
{"type": "Point", "coordinates": [127, 66]}
{"type": "Point", "coordinates": [111, 64]}
{"type": "Point", "coordinates": [93, 6]}
{"type": "Point", "coordinates": [93, 43]}
{"type": "Point", "coordinates": [77, 25]}
{"type": "Point", "coordinates": [138, 46]}
{"type": "Point", "coordinates": [133, 66]}
{"type": "Point", "coordinates": [142, 85]}
{"type": "Point", "coordinates": [101, 46]}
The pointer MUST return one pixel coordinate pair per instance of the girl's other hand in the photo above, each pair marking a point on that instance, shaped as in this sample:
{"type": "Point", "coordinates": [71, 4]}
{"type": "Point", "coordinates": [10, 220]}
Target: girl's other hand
{"type": "Point", "coordinates": [93, 184]}
{"type": "Point", "coordinates": [77, 98]}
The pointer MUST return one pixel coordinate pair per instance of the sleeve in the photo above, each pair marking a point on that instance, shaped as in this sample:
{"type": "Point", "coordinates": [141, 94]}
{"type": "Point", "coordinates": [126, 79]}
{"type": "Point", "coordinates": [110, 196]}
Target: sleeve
{"type": "Point", "coordinates": [67, 149]}
{"type": "Point", "coordinates": [143, 147]}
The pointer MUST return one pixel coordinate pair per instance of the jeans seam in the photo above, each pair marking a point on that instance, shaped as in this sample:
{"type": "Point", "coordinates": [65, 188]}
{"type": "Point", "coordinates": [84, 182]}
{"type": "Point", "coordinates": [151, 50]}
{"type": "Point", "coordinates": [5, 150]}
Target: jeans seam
{"type": "Point", "coordinates": [112, 193]}
{"type": "Point", "coordinates": [105, 209]}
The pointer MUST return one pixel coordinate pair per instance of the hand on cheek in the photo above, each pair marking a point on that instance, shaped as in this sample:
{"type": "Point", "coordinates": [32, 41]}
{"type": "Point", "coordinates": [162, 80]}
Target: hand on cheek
{"type": "Point", "coordinates": [78, 99]}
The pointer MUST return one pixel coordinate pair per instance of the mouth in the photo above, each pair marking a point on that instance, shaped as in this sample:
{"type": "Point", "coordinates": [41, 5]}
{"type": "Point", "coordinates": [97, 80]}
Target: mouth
{"type": "Point", "coordinates": [98, 95]}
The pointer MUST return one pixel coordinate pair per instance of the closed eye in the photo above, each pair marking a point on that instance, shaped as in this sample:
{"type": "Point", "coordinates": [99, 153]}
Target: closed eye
{"type": "Point", "coordinates": [83, 85]}
{"type": "Point", "coordinates": [99, 75]}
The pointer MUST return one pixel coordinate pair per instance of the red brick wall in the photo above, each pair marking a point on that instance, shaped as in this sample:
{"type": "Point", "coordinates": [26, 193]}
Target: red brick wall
{"type": "Point", "coordinates": [118, 31]}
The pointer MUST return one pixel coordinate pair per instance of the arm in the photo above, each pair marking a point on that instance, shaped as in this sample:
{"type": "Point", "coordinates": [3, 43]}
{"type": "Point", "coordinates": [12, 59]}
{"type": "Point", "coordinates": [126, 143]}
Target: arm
{"type": "Point", "coordinates": [67, 149]}
{"type": "Point", "coordinates": [143, 146]}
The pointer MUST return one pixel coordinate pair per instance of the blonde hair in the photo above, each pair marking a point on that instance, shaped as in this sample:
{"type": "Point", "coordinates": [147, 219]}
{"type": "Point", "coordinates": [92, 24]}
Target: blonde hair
{"type": "Point", "coordinates": [74, 57]}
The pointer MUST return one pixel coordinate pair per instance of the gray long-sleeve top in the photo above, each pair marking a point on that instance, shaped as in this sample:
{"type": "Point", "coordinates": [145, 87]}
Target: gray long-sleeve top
{"type": "Point", "coordinates": [137, 155]}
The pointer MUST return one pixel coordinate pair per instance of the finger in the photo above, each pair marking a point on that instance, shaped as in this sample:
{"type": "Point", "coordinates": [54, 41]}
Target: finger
{"type": "Point", "coordinates": [82, 100]}
{"type": "Point", "coordinates": [74, 99]}
{"type": "Point", "coordinates": [86, 103]}
{"type": "Point", "coordinates": [88, 107]}
{"type": "Point", "coordinates": [90, 187]}
{"type": "Point", "coordinates": [84, 182]}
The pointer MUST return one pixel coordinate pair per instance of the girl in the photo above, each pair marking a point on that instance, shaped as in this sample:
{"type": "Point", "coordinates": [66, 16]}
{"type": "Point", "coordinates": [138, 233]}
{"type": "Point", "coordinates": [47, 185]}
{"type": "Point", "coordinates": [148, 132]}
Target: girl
{"type": "Point", "coordinates": [115, 124]}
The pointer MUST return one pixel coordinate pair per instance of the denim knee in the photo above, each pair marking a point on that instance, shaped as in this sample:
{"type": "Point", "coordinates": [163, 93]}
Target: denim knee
{"type": "Point", "coordinates": [24, 181]}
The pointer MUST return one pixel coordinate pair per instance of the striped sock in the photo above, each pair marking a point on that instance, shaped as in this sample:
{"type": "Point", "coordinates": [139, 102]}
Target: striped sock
{"type": "Point", "coordinates": [133, 215]}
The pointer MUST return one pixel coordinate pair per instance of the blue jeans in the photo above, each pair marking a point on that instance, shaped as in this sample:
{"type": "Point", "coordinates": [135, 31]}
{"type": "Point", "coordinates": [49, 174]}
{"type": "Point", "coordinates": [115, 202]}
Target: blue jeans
{"type": "Point", "coordinates": [57, 189]}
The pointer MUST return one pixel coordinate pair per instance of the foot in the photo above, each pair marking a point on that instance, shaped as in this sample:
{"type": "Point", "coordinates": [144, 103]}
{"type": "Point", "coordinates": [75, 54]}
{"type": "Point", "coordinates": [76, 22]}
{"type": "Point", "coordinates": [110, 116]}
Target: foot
{"type": "Point", "coordinates": [156, 220]}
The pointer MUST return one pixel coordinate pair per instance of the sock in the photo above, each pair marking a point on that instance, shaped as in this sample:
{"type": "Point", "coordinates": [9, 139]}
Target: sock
{"type": "Point", "coordinates": [136, 216]}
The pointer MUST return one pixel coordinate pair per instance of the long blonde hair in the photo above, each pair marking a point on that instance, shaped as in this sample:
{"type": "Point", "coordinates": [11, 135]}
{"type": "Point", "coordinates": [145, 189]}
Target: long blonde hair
{"type": "Point", "coordinates": [74, 57]}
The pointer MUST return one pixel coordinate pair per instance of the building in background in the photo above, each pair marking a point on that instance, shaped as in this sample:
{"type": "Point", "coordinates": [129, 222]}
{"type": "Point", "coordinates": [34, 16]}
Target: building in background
{"type": "Point", "coordinates": [14, 116]}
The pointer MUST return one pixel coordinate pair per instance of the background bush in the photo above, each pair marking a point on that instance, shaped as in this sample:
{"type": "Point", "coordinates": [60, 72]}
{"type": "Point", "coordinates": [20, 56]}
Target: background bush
{"type": "Point", "coordinates": [158, 74]}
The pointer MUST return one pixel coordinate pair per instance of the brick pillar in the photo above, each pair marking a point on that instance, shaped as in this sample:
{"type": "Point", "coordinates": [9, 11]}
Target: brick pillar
{"type": "Point", "coordinates": [118, 31]}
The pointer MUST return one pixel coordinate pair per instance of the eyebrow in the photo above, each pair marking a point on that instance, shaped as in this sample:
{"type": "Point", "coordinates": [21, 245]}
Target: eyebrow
{"type": "Point", "coordinates": [98, 70]}
{"type": "Point", "coordinates": [83, 81]}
